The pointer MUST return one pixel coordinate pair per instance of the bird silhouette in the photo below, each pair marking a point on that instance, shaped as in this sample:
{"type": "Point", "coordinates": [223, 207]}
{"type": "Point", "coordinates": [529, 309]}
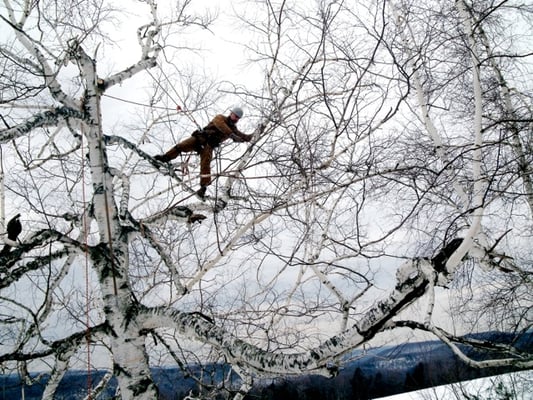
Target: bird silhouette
{"type": "Point", "coordinates": [14, 227]}
{"type": "Point", "coordinates": [440, 260]}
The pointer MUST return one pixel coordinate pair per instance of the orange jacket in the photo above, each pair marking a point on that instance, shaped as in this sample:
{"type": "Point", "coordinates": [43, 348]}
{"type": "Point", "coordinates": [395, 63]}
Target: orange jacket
{"type": "Point", "coordinates": [222, 128]}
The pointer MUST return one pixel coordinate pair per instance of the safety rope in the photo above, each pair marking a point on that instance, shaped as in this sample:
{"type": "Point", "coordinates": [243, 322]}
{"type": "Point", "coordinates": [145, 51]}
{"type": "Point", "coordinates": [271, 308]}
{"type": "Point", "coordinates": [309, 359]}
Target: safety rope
{"type": "Point", "coordinates": [185, 166]}
{"type": "Point", "coordinates": [106, 199]}
{"type": "Point", "coordinates": [218, 163]}
{"type": "Point", "coordinates": [87, 278]}
{"type": "Point", "coordinates": [86, 246]}
{"type": "Point", "coordinates": [180, 109]}
{"type": "Point", "coordinates": [2, 195]}
{"type": "Point", "coordinates": [135, 102]}
{"type": "Point", "coordinates": [179, 105]}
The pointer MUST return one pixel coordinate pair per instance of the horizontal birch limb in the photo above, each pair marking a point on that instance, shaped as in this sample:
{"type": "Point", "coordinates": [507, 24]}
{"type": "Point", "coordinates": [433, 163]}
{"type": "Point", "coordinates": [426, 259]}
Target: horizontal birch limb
{"type": "Point", "coordinates": [413, 278]}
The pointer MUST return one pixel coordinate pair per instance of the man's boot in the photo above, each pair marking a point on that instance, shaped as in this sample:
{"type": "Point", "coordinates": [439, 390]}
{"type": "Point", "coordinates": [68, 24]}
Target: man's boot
{"type": "Point", "coordinates": [169, 155]}
{"type": "Point", "coordinates": [201, 192]}
{"type": "Point", "coordinates": [162, 158]}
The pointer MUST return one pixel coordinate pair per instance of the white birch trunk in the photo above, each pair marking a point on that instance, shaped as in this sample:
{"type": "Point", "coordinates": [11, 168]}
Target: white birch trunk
{"type": "Point", "coordinates": [409, 41]}
{"type": "Point", "coordinates": [479, 183]}
{"type": "Point", "coordinates": [127, 344]}
{"type": "Point", "coordinates": [523, 167]}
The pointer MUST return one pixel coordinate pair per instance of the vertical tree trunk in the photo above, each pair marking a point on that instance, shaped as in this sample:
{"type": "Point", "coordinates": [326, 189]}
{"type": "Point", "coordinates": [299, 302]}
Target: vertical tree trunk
{"type": "Point", "coordinates": [111, 257]}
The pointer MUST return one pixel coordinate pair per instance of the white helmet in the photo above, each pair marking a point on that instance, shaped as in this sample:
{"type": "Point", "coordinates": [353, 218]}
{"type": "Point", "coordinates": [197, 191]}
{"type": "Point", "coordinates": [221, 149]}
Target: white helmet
{"type": "Point", "coordinates": [237, 111]}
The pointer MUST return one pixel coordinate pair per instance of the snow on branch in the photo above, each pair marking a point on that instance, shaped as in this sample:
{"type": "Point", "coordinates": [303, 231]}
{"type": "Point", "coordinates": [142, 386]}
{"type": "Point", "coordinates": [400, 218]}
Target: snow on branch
{"type": "Point", "coordinates": [146, 34]}
{"type": "Point", "coordinates": [57, 347]}
{"type": "Point", "coordinates": [36, 240]}
{"type": "Point", "coordinates": [33, 47]}
{"type": "Point", "coordinates": [164, 168]}
{"type": "Point", "coordinates": [517, 358]}
{"type": "Point", "coordinates": [451, 341]}
{"type": "Point", "coordinates": [127, 73]}
{"type": "Point", "coordinates": [63, 350]}
{"type": "Point", "coordinates": [45, 119]}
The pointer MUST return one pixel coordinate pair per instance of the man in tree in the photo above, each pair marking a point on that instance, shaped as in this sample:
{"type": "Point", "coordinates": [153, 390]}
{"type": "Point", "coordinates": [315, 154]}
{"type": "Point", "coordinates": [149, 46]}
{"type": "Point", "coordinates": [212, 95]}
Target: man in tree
{"type": "Point", "coordinates": [205, 140]}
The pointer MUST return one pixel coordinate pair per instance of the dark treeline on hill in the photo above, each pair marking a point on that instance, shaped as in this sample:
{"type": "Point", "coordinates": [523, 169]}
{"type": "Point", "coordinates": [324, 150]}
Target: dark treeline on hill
{"type": "Point", "coordinates": [373, 374]}
{"type": "Point", "coordinates": [388, 371]}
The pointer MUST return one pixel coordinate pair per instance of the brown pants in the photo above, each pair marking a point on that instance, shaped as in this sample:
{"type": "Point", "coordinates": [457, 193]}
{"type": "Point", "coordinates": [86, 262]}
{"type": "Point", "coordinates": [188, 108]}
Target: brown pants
{"type": "Point", "coordinates": [199, 145]}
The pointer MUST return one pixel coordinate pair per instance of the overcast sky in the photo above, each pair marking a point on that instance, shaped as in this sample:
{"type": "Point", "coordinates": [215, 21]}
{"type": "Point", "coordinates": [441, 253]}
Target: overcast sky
{"type": "Point", "coordinates": [222, 57]}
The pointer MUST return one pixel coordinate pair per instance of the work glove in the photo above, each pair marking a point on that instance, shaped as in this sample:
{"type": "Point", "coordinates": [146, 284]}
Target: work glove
{"type": "Point", "coordinates": [162, 158]}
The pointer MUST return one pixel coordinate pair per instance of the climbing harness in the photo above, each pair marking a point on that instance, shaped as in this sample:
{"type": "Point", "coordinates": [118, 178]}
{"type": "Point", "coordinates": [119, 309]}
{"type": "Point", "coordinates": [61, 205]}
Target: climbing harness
{"type": "Point", "coordinates": [185, 166]}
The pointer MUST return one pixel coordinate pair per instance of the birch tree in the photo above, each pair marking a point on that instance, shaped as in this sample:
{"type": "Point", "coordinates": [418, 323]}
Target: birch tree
{"type": "Point", "coordinates": [390, 159]}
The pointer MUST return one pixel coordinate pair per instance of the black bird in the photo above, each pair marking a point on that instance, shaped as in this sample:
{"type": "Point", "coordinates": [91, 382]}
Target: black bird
{"type": "Point", "coordinates": [14, 227]}
{"type": "Point", "coordinates": [439, 261]}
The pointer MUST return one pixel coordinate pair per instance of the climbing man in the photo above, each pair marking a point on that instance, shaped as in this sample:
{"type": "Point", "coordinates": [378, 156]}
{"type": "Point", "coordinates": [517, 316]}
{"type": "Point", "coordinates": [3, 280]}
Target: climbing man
{"type": "Point", "coordinates": [205, 140]}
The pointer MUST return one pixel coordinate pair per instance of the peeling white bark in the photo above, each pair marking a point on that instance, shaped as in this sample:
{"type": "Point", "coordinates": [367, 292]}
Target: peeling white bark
{"type": "Point", "coordinates": [54, 117]}
{"type": "Point", "coordinates": [410, 42]}
{"type": "Point", "coordinates": [59, 370]}
{"type": "Point", "coordinates": [518, 148]}
{"type": "Point", "coordinates": [127, 343]}
{"type": "Point", "coordinates": [48, 73]}
{"type": "Point", "coordinates": [479, 185]}
{"type": "Point", "coordinates": [412, 281]}
{"type": "Point", "coordinates": [516, 362]}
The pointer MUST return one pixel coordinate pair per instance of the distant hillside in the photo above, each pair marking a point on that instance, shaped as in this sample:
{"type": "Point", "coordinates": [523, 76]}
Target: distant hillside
{"type": "Point", "coordinates": [375, 373]}
{"type": "Point", "coordinates": [388, 371]}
